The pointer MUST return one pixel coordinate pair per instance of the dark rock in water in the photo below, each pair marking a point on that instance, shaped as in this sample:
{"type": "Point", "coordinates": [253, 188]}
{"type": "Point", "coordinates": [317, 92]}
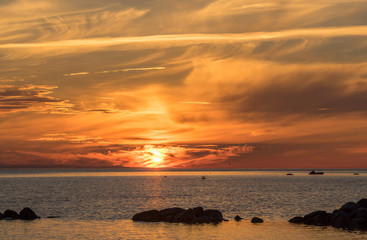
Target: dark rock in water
{"type": "Point", "coordinates": [53, 217]}
{"type": "Point", "coordinates": [148, 216]}
{"type": "Point", "coordinates": [290, 174]}
{"type": "Point", "coordinates": [351, 216]}
{"type": "Point", "coordinates": [214, 216]}
{"type": "Point", "coordinates": [237, 218]}
{"type": "Point", "coordinates": [11, 214]}
{"type": "Point", "coordinates": [340, 219]}
{"type": "Point", "coordinates": [28, 214]}
{"type": "Point", "coordinates": [315, 173]}
{"type": "Point", "coordinates": [198, 211]}
{"type": "Point", "coordinates": [169, 214]}
{"type": "Point", "coordinates": [349, 207]}
{"type": "Point", "coordinates": [361, 212]}
{"type": "Point", "coordinates": [296, 220]}
{"type": "Point", "coordinates": [180, 215]}
{"type": "Point", "coordinates": [257, 220]}
{"type": "Point", "coordinates": [323, 219]}
{"type": "Point", "coordinates": [363, 202]}
{"type": "Point", "coordinates": [318, 218]}
{"type": "Point", "coordinates": [357, 224]}
{"type": "Point", "coordinates": [187, 216]}
{"type": "Point", "coordinates": [1, 216]}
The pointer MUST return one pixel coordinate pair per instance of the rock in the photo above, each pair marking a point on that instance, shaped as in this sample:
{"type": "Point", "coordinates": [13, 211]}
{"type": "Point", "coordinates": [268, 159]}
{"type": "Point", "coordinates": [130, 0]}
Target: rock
{"type": "Point", "coordinates": [297, 220]}
{"type": "Point", "coordinates": [53, 217]}
{"type": "Point", "coordinates": [349, 207]}
{"type": "Point", "coordinates": [257, 220]}
{"type": "Point", "coordinates": [214, 216]}
{"type": "Point", "coordinates": [357, 224]}
{"type": "Point", "coordinates": [363, 202]}
{"type": "Point", "coordinates": [198, 211]}
{"type": "Point", "coordinates": [11, 214]}
{"type": "Point", "coordinates": [361, 212]}
{"type": "Point", "coordinates": [340, 219]}
{"type": "Point", "coordinates": [310, 218]}
{"type": "Point", "coordinates": [187, 216]}
{"type": "Point", "coordinates": [237, 218]}
{"type": "Point", "coordinates": [148, 216]}
{"type": "Point", "coordinates": [313, 172]}
{"type": "Point", "coordinates": [323, 219]}
{"type": "Point", "coordinates": [1, 216]}
{"type": "Point", "coordinates": [351, 216]}
{"type": "Point", "coordinates": [28, 214]}
{"type": "Point", "coordinates": [169, 214]}
{"type": "Point", "coordinates": [180, 215]}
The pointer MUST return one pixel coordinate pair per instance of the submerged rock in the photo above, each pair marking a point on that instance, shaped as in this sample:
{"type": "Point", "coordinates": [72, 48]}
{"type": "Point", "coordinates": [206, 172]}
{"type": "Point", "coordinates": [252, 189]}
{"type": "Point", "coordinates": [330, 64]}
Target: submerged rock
{"type": "Point", "coordinates": [237, 218]}
{"type": "Point", "coordinates": [180, 215]}
{"type": "Point", "coordinates": [257, 220]}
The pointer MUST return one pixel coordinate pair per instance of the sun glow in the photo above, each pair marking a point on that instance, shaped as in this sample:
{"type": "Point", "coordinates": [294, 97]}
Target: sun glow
{"type": "Point", "coordinates": [157, 158]}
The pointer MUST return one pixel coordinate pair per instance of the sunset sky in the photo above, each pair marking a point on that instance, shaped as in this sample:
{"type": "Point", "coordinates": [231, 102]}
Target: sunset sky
{"type": "Point", "coordinates": [183, 84]}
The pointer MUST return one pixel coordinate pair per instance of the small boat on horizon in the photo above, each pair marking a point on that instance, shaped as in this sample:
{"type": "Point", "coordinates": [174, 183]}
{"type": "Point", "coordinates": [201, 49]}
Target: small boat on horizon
{"type": "Point", "coordinates": [316, 173]}
{"type": "Point", "coordinates": [290, 174]}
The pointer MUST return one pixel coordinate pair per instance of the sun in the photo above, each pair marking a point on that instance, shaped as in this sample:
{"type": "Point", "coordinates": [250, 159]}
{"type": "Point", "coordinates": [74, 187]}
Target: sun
{"type": "Point", "coordinates": [157, 157]}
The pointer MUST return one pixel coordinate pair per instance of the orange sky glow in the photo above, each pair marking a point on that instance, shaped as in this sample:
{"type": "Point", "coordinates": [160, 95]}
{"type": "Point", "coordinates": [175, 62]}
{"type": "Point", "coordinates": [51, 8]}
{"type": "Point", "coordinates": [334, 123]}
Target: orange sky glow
{"type": "Point", "coordinates": [183, 84]}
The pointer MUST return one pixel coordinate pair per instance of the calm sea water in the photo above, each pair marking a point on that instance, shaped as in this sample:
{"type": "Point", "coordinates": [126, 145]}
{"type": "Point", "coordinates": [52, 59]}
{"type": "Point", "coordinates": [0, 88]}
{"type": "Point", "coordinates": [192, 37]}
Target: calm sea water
{"type": "Point", "coordinates": [98, 204]}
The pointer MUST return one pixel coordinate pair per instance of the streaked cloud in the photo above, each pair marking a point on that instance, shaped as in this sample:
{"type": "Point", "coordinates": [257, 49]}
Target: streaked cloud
{"type": "Point", "coordinates": [31, 98]}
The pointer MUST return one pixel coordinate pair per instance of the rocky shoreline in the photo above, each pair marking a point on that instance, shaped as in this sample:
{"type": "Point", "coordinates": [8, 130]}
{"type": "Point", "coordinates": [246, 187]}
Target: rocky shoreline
{"type": "Point", "coordinates": [350, 216]}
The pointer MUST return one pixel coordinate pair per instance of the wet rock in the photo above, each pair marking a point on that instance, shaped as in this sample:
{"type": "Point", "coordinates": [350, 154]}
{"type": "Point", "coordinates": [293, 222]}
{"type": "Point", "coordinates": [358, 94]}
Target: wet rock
{"type": "Point", "coordinates": [214, 216]}
{"type": "Point", "coordinates": [187, 216]}
{"type": "Point", "coordinates": [28, 214]}
{"type": "Point", "coordinates": [148, 216]}
{"type": "Point", "coordinates": [198, 211]}
{"type": "Point", "coordinates": [351, 216]}
{"type": "Point", "coordinates": [323, 219]}
{"type": "Point", "coordinates": [169, 214]}
{"type": "Point", "coordinates": [340, 219]}
{"type": "Point", "coordinates": [257, 220]}
{"type": "Point", "coordinates": [357, 224]}
{"type": "Point", "coordinates": [180, 215]}
{"type": "Point", "coordinates": [297, 220]}
{"type": "Point", "coordinates": [349, 207]}
{"type": "Point", "coordinates": [53, 217]}
{"type": "Point", "coordinates": [361, 212]}
{"type": "Point", "coordinates": [237, 218]}
{"type": "Point", "coordinates": [11, 214]}
{"type": "Point", "coordinates": [363, 202]}
{"type": "Point", "coordinates": [1, 216]}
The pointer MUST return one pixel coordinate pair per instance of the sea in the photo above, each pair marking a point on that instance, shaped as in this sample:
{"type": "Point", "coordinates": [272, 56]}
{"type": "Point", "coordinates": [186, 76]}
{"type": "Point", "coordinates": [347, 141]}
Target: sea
{"type": "Point", "coordinates": [99, 203]}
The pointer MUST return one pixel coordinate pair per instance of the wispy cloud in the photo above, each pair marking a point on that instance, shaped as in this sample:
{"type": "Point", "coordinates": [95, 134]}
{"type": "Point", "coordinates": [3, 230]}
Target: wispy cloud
{"type": "Point", "coordinates": [76, 74]}
{"type": "Point", "coordinates": [200, 103]}
{"type": "Point", "coordinates": [187, 39]}
{"type": "Point", "coordinates": [31, 98]}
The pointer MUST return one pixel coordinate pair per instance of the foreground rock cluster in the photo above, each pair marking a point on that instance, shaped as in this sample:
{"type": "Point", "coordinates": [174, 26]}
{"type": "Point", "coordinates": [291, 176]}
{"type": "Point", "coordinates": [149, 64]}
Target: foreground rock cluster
{"type": "Point", "coordinates": [180, 215]}
{"type": "Point", "coordinates": [351, 216]}
{"type": "Point", "coordinates": [25, 214]}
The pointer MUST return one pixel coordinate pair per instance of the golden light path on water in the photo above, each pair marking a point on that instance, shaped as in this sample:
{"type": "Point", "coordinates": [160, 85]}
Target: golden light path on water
{"type": "Point", "coordinates": [126, 229]}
